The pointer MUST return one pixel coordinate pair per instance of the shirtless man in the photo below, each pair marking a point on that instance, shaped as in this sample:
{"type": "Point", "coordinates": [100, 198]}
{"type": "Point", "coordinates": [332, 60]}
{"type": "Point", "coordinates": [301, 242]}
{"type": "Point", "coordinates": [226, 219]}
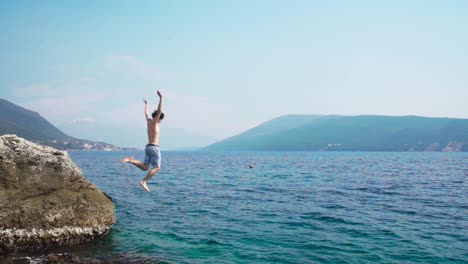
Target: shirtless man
{"type": "Point", "coordinates": [152, 152]}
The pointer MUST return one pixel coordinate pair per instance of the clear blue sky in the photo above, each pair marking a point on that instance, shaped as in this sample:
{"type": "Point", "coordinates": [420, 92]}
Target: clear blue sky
{"type": "Point", "coordinates": [227, 66]}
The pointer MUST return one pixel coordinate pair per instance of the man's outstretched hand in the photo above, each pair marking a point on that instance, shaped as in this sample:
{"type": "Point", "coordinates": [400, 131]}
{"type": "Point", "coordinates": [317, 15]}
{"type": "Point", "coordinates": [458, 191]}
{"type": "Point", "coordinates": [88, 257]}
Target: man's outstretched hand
{"type": "Point", "coordinates": [144, 101]}
{"type": "Point", "coordinates": [159, 94]}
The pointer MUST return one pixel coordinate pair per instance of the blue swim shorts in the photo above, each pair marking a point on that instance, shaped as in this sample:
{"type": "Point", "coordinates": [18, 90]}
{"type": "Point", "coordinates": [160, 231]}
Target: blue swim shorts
{"type": "Point", "coordinates": [152, 155]}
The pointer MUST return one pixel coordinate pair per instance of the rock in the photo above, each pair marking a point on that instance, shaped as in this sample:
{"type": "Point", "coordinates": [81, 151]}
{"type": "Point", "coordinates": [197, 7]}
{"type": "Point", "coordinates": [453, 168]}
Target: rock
{"type": "Point", "coordinates": [52, 258]}
{"type": "Point", "coordinates": [44, 199]}
{"type": "Point", "coordinates": [68, 259]}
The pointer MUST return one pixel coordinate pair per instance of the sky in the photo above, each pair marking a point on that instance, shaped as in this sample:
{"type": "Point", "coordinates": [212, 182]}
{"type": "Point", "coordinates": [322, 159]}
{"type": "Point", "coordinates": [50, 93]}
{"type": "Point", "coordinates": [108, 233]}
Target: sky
{"type": "Point", "coordinates": [224, 67]}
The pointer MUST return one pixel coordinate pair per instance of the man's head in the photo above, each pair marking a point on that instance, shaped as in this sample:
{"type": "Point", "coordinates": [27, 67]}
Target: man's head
{"type": "Point", "coordinates": [155, 113]}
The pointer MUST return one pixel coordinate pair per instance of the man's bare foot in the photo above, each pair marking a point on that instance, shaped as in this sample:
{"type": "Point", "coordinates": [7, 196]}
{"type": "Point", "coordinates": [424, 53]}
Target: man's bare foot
{"type": "Point", "coordinates": [125, 160]}
{"type": "Point", "coordinates": [143, 184]}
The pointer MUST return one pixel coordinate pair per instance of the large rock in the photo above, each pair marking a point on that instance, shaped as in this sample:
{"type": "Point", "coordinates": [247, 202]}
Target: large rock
{"type": "Point", "coordinates": [45, 200]}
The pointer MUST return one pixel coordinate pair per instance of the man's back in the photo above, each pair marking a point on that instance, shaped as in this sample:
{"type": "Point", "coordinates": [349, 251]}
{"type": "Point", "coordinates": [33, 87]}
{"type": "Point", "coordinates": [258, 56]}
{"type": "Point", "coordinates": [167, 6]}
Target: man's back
{"type": "Point", "coordinates": [153, 131]}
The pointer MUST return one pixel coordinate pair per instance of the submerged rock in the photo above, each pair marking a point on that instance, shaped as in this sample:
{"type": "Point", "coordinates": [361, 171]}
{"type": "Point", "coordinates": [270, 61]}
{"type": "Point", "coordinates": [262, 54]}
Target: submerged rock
{"type": "Point", "coordinates": [44, 199]}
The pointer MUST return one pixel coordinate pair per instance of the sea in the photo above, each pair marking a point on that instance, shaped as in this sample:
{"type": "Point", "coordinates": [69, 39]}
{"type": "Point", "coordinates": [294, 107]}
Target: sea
{"type": "Point", "coordinates": [291, 207]}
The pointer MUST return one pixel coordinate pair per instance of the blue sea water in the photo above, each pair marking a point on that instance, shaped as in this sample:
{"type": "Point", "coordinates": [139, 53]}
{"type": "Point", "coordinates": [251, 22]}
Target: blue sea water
{"type": "Point", "coordinates": [292, 207]}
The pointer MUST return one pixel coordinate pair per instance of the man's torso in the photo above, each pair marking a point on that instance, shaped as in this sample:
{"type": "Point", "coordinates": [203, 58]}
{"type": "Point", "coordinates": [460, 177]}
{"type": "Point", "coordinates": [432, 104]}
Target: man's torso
{"type": "Point", "coordinates": [153, 132]}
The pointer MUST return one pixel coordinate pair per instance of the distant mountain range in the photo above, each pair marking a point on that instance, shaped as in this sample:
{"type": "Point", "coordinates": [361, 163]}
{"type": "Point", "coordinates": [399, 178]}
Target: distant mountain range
{"type": "Point", "coordinates": [352, 133]}
{"type": "Point", "coordinates": [31, 126]}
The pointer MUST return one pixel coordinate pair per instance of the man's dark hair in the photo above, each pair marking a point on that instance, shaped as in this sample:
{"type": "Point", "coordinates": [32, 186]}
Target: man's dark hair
{"type": "Point", "coordinates": [155, 113]}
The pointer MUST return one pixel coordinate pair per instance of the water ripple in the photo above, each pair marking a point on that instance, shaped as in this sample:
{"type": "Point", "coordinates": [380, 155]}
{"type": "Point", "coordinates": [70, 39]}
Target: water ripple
{"type": "Point", "coordinates": [293, 207]}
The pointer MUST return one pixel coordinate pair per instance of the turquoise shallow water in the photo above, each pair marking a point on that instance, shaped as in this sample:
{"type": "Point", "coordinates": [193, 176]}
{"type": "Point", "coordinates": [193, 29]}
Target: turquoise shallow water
{"type": "Point", "coordinates": [292, 207]}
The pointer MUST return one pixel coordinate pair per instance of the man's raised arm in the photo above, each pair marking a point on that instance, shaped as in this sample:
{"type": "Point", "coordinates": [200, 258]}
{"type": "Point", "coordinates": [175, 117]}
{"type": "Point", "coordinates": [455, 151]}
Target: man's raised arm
{"type": "Point", "coordinates": [147, 115]}
{"type": "Point", "coordinates": [159, 106]}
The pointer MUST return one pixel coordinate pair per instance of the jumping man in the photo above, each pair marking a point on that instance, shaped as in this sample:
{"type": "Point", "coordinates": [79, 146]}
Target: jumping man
{"type": "Point", "coordinates": [152, 152]}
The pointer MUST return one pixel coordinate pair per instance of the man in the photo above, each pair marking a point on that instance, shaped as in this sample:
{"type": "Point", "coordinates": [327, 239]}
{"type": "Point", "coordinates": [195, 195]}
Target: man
{"type": "Point", "coordinates": [152, 152]}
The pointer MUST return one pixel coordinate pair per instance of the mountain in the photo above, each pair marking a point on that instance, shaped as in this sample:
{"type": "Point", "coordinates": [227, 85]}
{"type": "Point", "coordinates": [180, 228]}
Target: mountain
{"type": "Point", "coordinates": [32, 126]}
{"type": "Point", "coordinates": [352, 133]}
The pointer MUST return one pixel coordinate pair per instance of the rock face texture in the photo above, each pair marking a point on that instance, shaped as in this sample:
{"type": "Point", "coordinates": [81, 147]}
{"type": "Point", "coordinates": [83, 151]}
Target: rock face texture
{"type": "Point", "coordinates": [44, 199]}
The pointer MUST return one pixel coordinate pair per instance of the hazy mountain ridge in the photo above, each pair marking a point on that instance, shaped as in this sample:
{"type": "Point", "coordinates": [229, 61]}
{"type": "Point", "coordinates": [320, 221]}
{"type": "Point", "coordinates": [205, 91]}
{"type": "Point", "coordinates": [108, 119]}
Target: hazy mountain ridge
{"type": "Point", "coordinates": [32, 126]}
{"type": "Point", "coordinates": [352, 133]}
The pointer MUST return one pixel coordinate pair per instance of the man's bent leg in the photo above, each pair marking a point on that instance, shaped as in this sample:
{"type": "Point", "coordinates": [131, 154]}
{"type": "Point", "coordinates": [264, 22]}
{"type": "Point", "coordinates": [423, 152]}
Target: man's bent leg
{"type": "Point", "coordinates": [137, 163]}
{"type": "Point", "coordinates": [148, 177]}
